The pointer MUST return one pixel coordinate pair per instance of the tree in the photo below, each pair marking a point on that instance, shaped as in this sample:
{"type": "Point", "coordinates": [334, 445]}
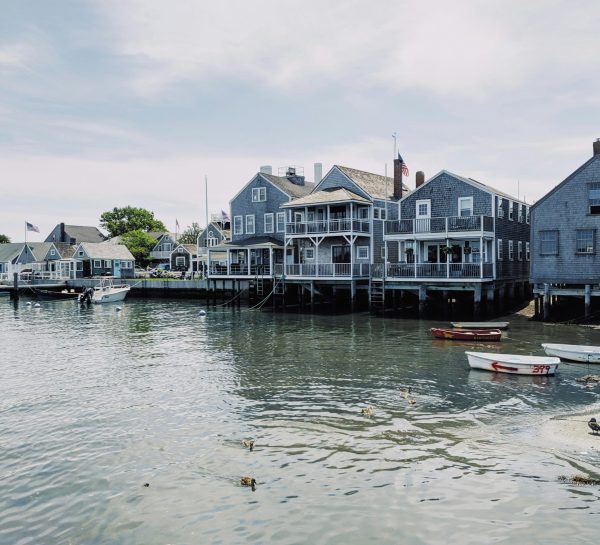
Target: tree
{"type": "Point", "coordinates": [4, 239]}
{"type": "Point", "coordinates": [123, 220]}
{"type": "Point", "coordinates": [190, 235]}
{"type": "Point", "coordinates": [140, 244]}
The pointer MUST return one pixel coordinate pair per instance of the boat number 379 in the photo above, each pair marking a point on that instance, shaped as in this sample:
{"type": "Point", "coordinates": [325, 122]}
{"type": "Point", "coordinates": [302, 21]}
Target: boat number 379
{"type": "Point", "coordinates": [540, 369]}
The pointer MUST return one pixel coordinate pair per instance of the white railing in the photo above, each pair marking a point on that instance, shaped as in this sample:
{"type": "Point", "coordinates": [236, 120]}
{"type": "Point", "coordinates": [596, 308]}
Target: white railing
{"type": "Point", "coordinates": [328, 270]}
{"type": "Point", "coordinates": [342, 225]}
{"type": "Point", "coordinates": [440, 270]}
{"type": "Point", "coordinates": [443, 225]}
{"type": "Point", "coordinates": [160, 255]}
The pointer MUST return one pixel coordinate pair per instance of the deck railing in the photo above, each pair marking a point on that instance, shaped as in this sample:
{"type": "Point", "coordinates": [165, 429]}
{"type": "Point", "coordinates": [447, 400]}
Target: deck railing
{"type": "Point", "coordinates": [440, 270]}
{"type": "Point", "coordinates": [328, 270]}
{"type": "Point", "coordinates": [237, 269]}
{"type": "Point", "coordinates": [445, 225]}
{"type": "Point", "coordinates": [343, 225]}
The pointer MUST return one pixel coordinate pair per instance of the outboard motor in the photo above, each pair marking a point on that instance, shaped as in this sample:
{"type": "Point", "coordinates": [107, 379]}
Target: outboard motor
{"type": "Point", "coordinates": [85, 297]}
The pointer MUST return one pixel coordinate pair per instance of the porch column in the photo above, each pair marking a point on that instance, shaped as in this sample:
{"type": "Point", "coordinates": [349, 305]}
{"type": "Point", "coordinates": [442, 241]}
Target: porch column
{"type": "Point", "coordinates": [481, 252]}
{"type": "Point", "coordinates": [489, 304]}
{"type": "Point", "coordinates": [271, 270]}
{"type": "Point", "coordinates": [248, 261]}
{"type": "Point", "coordinates": [588, 300]}
{"type": "Point", "coordinates": [448, 253]}
{"type": "Point", "coordinates": [546, 301]}
{"type": "Point", "coordinates": [352, 294]}
{"type": "Point", "coordinates": [228, 261]}
{"type": "Point", "coordinates": [328, 218]}
{"type": "Point", "coordinates": [477, 302]}
{"type": "Point", "coordinates": [422, 300]}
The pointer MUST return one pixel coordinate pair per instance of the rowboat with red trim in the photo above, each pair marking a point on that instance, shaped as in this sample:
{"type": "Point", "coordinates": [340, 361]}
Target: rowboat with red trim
{"type": "Point", "coordinates": [515, 364]}
{"type": "Point", "coordinates": [466, 334]}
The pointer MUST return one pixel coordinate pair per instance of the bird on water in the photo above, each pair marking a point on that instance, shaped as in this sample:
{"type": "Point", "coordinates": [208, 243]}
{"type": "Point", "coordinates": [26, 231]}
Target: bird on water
{"type": "Point", "coordinates": [594, 426]}
{"type": "Point", "coordinates": [249, 444]}
{"type": "Point", "coordinates": [248, 481]}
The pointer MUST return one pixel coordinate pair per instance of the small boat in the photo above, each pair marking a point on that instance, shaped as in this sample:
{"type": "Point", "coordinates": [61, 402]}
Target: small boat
{"type": "Point", "coordinates": [106, 292]}
{"type": "Point", "coordinates": [49, 295]}
{"type": "Point", "coordinates": [480, 325]}
{"type": "Point", "coordinates": [513, 363]}
{"type": "Point", "coordinates": [466, 334]}
{"type": "Point", "coordinates": [573, 352]}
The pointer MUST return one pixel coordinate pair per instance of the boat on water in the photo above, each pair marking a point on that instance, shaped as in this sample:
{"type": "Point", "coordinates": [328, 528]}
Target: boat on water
{"type": "Point", "coordinates": [467, 334]}
{"type": "Point", "coordinates": [515, 364]}
{"type": "Point", "coordinates": [105, 292]}
{"type": "Point", "coordinates": [49, 295]}
{"type": "Point", "coordinates": [573, 352]}
{"type": "Point", "coordinates": [480, 325]}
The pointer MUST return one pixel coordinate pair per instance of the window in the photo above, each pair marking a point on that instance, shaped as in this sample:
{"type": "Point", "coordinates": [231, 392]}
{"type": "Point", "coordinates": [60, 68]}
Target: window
{"type": "Point", "coordinates": [527, 254]}
{"type": "Point", "coordinates": [269, 223]}
{"type": "Point", "coordinates": [383, 252]}
{"type": "Point", "coordinates": [520, 250]}
{"type": "Point", "coordinates": [362, 252]}
{"type": "Point", "coordinates": [80, 253]}
{"type": "Point", "coordinates": [465, 206]}
{"type": "Point", "coordinates": [500, 209]}
{"type": "Point", "coordinates": [97, 263]}
{"type": "Point", "coordinates": [250, 224]}
{"type": "Point", "coordinates": [585, 241]}
{"type": "Point", "coordinates": [527, 214]}
{"type": "Point", "coordinates": [79, 266]}
{"type": "Point", "coordinates": [520, 213]}
{"type": "Point", "coordinates": [309, 253]}
{"type": "Point", "coordinates": [549, 242]}
{"type": "Point", "coordinates": [180, 250]}
{"type": "Point", "coordinates": [500, 253]}
{"type": "Point", "coordinates": [363, 213]}
{"type": "Point", "coordinates": [510, 211]}
{"type": "Point", "coordinates": [280, 222]}
{"type": "Point", "coordinates": [107, 263]}
{"type": "Point", "coordinates": [212, 241]}
{"type": "Point", "coordinates": [259, 194]}
{"type": "Point", "coordinates": [511, 251]}
{"type": "Point", "coordinates": [310, 217]}
{"type": "Point", "coordinates": [168, 247]}
{"type": "Point", "coordinates": [52, 252]}
{"type": "Point", "coordinates": [423, 208]}
{"type": "Point", "coordinates": [594, 198]}
{"type": "Point", "coordinates": [238, 228]}
{"type": "Point", "coordinates": [180, 261]}
{"type": "Point", "coordinates": [126, 264]}
{"type": "Point", "coordinates": [378, 213]}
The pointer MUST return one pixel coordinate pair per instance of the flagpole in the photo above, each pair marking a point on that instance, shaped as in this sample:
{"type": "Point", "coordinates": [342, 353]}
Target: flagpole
{"type": "Point", "coordinates": [25, 232]}
{"type": "Point", "coordinates": [206, 197]}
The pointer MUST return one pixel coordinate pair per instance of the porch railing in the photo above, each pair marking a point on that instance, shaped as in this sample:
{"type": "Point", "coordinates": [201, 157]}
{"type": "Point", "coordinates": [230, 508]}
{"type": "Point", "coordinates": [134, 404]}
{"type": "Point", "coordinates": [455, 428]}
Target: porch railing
{"type": "Point", "coordinates": [447, 225]}
{"type": "Point", "coordinates": [237, 269]}
{"type": "Point", "coordinates": [343, 225]}
{"type": "Point", "coordinates": [440, 270]}
{"type": "Point", "coordinates": [329, 270]}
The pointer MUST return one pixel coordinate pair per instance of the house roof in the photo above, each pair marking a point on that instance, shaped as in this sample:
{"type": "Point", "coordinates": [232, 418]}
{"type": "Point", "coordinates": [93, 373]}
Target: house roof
{"type": "Point", "coordinates": [372, 184]}
{"type": "Point", "coordinates": [65, 250]}
{"type": "Point", "coordinates": [338, 194]}
{"type": "Point", "coordinates": [567, 179]}
{"type": "Point", "coordinates": [84, 233]}
{"type": "Point", "coordinates": [253, 241]}
{"type": "Point", "coordinates": [97, 250]}
{"type": "Point", "coordinates": [40, 249]}
{"type": "Point", "coordinates": [10, 250]}
{"type": "Point", "coordinates": [192, 249]}
{"type": "Point", "coordinates": [290, 188]}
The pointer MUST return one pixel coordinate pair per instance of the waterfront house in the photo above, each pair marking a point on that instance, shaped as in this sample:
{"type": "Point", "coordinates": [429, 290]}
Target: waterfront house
{"type": "Point", "coordinates": [564, 237]}
{"type": "Point", "coordinates": [50, 263]}
{"type": "Point", "coordinates": [456, 234]}
{"type": "Point", "coordinates": [101, 259]}
{"type": "Point", "coordinates": [218, 232]}
{"type": "Point", "coordinates": [14, 258]}
{"type": "Point", "coordinates": [74, 234]}
{"type": "Point", "coordinates": [257, 237]}
{"type": "Point", "coordinates": [184, 258]}
{"type": "Point", "coordinates": [161, 252]}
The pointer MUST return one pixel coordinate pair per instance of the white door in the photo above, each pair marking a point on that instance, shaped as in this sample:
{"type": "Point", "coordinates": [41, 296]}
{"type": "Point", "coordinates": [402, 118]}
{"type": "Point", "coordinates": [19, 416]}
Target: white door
{"type": "Point", "coordinates": [423, 216]}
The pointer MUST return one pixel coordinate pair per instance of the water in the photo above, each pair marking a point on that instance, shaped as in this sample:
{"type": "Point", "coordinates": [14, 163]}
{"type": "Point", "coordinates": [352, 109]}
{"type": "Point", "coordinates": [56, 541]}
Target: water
{"type": "Point", "coordinates": [94, 403]}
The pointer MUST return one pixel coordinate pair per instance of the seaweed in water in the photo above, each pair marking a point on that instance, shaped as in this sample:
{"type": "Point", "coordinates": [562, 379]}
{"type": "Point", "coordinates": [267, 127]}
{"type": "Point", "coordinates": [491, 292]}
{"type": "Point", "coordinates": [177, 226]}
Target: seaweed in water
{"type": "Point", "coordinates": [579, 480]}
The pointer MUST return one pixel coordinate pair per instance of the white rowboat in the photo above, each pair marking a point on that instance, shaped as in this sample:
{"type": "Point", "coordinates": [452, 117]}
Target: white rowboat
{"type": "Point", "coordinates": [480, 325]}
{"type": "Point", "coordinates": [573, 352]}
{"type": "Point", "coordinates": [513, 363]}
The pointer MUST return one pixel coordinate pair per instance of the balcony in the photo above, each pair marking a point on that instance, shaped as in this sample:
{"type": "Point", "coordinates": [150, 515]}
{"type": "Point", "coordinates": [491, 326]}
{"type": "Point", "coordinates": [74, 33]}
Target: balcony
{"type": "Point", "coordinates": [160, 254]}
{"type": "Point", "coordinates": [441, 226]}
{"type": "Point", "coordinates": [344, 225]}
{"type": "Point", "coordinates": [238, 269]}
{"type": "Point", "coordinates": [446, 271]}
{"type": "Point", "coordinates": [325, 270]}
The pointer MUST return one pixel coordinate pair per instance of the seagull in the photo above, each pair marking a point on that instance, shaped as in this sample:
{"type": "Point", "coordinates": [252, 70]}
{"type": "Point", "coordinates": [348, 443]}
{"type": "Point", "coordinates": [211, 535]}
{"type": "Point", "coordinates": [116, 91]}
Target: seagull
{"type": "Point", "coordinates": [594, 426]}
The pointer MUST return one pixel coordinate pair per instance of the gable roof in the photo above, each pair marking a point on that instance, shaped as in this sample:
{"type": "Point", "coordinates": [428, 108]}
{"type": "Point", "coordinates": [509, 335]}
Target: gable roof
{"type": "Point", "coordinates": [290, 188]}
{"type": "Point", "coordinates": [97, 250]}
{"type": "Point", "coordinates": [82, 233]}
{"type": "Point", "coordinates": [40, 249]}
{"type": "Point", "coordinates": [192, 249]}
{"type": "Point", "coordinates": [10, 250]}
{"type": "Point", "coordinates": [372, 184]}
{"type": "Point", "coordinates": [325, 196]}
{"type": "Point", "coordinates": [567, 179]}
{"type": "Point", "coordinates": [65, 250]}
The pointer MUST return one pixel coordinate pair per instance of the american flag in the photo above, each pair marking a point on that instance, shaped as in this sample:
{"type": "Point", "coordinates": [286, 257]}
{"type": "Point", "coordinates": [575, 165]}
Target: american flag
{"type": "Point", "coordinates": [404, 167]}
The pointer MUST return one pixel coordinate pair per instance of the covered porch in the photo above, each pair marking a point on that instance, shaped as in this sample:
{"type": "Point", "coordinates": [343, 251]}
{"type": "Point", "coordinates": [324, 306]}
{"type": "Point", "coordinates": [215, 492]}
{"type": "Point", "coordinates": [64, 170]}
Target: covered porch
{"type": "Point", "coordinates": [244, 260]}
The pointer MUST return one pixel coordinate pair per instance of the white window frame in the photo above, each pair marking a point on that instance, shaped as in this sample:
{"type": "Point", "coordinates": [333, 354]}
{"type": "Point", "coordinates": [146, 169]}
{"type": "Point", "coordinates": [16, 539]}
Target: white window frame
{"type": "Point", "coordinates": [259, 194]}
{"type": "Point", "coordinates": [180, 250]}
{"type": "Point", "coordinates": [527, 252]}
{"type": "Point", "coordinates": [269, 217]}
{"type": "Point", "coordinates": [52, 251]}
{"type": "Point", "coordinates": [527, 215]}
{"type": "Point", "coordinates": [418, 203]}
{"type": "Point", "coordinates": [511, 251]}
{"type": "Point", "coordinates": [577, 250]}
{"type": "Point", "coordinates": [212, 241]}
{"type": "Point", "coordinates": [180, 261]}
{"type": "Point", "coordinates": [520, 250]}
{"type": "Point", "coordinates": [511, 212]}
{"type": "Point", "coordinates": [250, 220]}
{"type": "Point", "coordinates": [520, 213]}
{"type": "Point", "coordinates": [97, 263]}
{"type": "Point", "coordinates": [281, 222]}
{"type": "Point", "coordinates": [309, 253]}
{"type": "Point", "coordinates": [126, 264]}
{"type": "Point", "coordinates": [556, 239]}
{"type": "Point", "coordinates": [79, 265]}
{"type": "Point", "coordinates": [383, 252]}
{"type": "Point", "coordinates": [364, 250]}
{"type": "Point", "coordinates": [500, 209]}
{"type": "Point", "coordinates": [238, 225]}
{"type": "Point", "coordinates": [363, 213]}
{"type": "Point", "coordinates": [465, 199]}
{"type": "Point", "coordinates": [500, 250]}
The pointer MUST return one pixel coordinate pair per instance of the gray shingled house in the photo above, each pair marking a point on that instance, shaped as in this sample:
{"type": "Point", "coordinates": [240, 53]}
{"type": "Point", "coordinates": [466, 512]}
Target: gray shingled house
{"type": "Point", "coordinates": [101, 259]}
{"type": "Point", "coordinates": [74, 234]}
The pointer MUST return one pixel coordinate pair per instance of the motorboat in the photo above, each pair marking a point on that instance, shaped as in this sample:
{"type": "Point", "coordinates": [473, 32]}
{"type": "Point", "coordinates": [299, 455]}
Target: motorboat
{"type": "Point", "coordinates": [105, 292]}
{"type": "Point", "coordinates": [467, 334]}
{"type": "Point", "coordinates": [513, 363]}
{"type": "Point", "coordinates": [573, 352]}
{"type": "Point", "coordinates": [50, 295]}
{"type": "Point", "coordinates": [480, 325]}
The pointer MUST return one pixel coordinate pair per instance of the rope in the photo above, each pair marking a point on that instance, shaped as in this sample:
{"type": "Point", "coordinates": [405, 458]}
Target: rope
{"type": "Point", "coordinates": [263, 302]}
{"type": "Point", "coordinates": [232, 299]}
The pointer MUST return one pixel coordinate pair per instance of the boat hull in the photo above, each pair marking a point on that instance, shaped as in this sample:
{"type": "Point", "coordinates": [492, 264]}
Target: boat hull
{"type": "Point", "coordinates": [112, 295]}
{"type": "Point", "coordinates": [491, 335]}
{"type": "Point", "coordinates": [513, 364]}
{"type": "Point", "coordinates": [573, 352]}
{"type": "Point", "coordinates": [48, 295]}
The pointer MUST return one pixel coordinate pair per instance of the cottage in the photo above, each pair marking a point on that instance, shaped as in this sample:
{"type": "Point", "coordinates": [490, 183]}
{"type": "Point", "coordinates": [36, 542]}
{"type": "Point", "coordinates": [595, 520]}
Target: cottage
{"type": "Point", "coordinates": [101, 259]}
{"type": "Point", "coordinates": [564, 245]}
{"type": "Point", "coordinates": [14, 257]}
{"type": "Point", "coordinates": [74, 234]}
{"type": "Point", "coordinates": [218, 232]}
{"type": "Point", "coordinates": [165, 242]}
{"type": "Point", "coordinates": [184, 258]}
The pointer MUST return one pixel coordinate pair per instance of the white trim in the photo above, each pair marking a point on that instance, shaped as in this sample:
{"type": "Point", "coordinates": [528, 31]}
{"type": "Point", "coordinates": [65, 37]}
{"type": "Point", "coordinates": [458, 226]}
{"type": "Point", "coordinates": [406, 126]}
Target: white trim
{"type": "Point", "coordinates": [248, 232]}
{"type": "Point", "coordinates": [418, 203]}
{"type": "Point", "coordinates": [358, 250]}
{"type": "Point", "coordinates": [282, 215]}
{"type": "Point", "coordinates": [261, 194]}
{"type": "Point", "coordinates": [241, 230]}
{"type": "Point", "coordinates": [97, 263]}
{"type": "Point", "coordinates": [270, 215]}
{"type": "Point", "coordinates": [511, 250]}
{"type": "Point", "coordinates": [469, 199]}
{"type": "Point", "coordinates": [500, 250]}
{"type": "Point", "coordinates": [519, 250]}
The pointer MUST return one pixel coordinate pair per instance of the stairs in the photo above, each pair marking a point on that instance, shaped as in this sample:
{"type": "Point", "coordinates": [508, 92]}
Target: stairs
{"type": "Point", "coordinates": [377, 294]}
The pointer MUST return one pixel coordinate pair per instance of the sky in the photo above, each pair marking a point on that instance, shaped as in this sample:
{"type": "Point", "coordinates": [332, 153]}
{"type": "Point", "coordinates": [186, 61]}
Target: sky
{"type": "Point", "coordinates": [111, 103]}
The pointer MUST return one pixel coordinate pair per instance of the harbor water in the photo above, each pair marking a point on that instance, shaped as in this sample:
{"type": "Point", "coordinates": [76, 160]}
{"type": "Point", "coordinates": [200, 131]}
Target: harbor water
{"type": "Point", "coordinates": [96, 403]}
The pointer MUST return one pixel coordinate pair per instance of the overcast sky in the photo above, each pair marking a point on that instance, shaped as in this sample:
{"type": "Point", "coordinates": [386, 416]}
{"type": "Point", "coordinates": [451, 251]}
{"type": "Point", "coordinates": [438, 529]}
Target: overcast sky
{"type": "Point", "coordinates": [132, 102]}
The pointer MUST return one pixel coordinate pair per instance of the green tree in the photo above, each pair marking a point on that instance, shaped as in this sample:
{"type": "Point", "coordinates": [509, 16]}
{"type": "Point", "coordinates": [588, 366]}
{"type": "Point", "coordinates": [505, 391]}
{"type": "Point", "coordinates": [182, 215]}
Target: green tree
{"type": "Point", "coordinates": [190, 234]}
{"type": "Point", "coordinates": [140, 244]}
{"type": "Point", "coordinates": [123, 220]}
{"type": "Point", "coordinates": [4, 239]}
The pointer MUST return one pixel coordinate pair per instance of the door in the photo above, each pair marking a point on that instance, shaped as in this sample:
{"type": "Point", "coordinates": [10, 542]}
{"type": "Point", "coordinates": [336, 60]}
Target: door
{"type": "Point", "coordinates": [340, 254]}
{"type": "Point", "coordinates": [422, 216]}
{"type": "Point", "coordinates": [117, 269]}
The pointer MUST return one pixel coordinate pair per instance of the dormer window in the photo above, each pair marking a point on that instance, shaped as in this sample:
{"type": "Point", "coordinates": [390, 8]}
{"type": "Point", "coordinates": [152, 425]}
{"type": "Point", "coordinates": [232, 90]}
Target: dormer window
{"type": "Point", "coordinates": [259, 194]}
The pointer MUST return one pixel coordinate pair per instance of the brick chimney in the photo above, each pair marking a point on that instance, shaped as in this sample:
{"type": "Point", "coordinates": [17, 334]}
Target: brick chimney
{"type": "Point", "coordinates": [597, 146]}
{"type": "Point", "coordinates": [419, 178]}
{"type": "Point", "coordinates": [397, 178]}
{"type": "Point", "coordinates": [62, 233]}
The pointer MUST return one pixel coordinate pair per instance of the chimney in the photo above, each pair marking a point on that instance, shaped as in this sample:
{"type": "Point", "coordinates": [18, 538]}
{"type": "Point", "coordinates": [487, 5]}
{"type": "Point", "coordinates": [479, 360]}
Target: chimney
{"type": "Point", "coordinates": [294, 176]}
{"type": "Point", "coordinates": [397, 178]}
{"type": "Point", "coordinates": [62, 232]}
{"type": "Point", "coordinates": [597, 146]}
{"type": "Point", "coordinates": [318, 172]}
{"type": "Point", "coordinates": [266, 169]}
{"type": "Point", "coordinates": [419, 178]}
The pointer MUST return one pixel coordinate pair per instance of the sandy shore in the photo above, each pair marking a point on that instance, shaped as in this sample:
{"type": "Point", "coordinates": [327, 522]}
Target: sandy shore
{"type": "Point", "coordinates": [571, 432]}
